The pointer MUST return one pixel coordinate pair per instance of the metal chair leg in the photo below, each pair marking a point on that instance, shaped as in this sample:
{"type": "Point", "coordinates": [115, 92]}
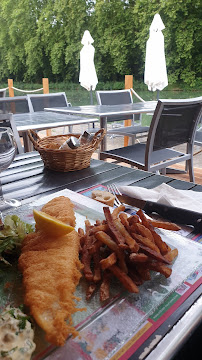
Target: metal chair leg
{"type": "Point", "coordinates": [191, 170]}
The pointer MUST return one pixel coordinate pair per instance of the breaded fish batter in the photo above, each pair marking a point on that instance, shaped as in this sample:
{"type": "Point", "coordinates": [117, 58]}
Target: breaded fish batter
{"type": "Point", "coordinates": [61, 208]}
{"type": "Point", "coordinates": [51, 272]}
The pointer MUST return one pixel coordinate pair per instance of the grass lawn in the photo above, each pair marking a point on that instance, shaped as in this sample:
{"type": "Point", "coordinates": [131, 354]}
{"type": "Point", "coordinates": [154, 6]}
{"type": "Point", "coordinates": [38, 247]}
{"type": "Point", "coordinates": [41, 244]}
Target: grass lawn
{"type": "Point", "coordinates": [80, 96]}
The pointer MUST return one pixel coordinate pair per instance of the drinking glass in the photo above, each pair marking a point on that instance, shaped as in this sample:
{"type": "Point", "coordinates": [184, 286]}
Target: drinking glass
{"type": "Point", "coordinates": [7, 153]}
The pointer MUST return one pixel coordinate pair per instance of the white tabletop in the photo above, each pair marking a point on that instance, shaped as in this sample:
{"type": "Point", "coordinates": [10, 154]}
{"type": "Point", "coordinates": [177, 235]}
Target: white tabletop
{"type": "Point", "coordinates": [103, 111]}
{"type": "Point", "coordinates": [44, 120]}
{"type": "Point", "coordinates": [107, 110]}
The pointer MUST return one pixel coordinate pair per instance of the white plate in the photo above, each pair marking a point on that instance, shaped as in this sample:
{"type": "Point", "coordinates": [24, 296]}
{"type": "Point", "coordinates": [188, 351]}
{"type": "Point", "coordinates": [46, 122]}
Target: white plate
{"type": "Point", "coordinates": [125, 312]}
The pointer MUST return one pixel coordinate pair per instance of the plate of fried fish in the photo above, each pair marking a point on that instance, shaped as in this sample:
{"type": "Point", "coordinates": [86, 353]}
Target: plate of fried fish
{"type": "Point", "coordinates": [79, 258]}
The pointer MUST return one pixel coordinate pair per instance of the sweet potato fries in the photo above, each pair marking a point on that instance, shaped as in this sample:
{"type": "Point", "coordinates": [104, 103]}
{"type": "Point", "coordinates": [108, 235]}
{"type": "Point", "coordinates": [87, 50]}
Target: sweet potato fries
{"type": "Point", "coordinates": [124, 247]}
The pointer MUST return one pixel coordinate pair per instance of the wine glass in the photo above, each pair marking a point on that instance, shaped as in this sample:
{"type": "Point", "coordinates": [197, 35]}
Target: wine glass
{"type": "Point", "coordinates": [8, 149]}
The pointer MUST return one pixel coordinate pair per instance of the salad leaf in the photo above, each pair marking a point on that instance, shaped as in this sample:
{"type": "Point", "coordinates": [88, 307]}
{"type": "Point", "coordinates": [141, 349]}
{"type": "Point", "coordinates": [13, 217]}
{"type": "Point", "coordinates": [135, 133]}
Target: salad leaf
{"type": "Point", "coordinates": [12, 234]}
{"type": "Point", "coordinates": [14, 226]}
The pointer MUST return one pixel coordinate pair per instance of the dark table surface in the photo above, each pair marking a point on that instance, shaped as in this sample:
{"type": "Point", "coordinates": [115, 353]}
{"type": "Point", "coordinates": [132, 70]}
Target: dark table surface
{"type": "Point", "coordinates": [27, 179]}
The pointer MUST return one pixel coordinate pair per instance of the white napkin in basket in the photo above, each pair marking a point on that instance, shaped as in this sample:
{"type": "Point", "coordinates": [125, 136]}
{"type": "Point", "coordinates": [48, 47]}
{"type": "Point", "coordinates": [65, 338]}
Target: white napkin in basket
{"type": "Point", "coordinates": [167, 195]}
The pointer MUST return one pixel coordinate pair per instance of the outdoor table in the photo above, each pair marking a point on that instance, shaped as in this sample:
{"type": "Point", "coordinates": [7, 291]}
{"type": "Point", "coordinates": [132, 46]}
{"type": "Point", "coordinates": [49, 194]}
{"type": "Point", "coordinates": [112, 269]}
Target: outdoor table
{"type": "Point", "coordinates": [102, 111]}
{"type": "Point", "coordinates": [27, 180]}
{"type": "Point", "coordinates": [42, 120]}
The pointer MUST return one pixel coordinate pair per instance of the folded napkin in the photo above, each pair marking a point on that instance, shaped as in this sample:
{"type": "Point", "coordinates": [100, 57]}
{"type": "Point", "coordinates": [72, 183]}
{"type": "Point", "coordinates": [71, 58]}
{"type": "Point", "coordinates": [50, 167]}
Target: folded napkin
{"type": "Point", "coordinates": [166, 195]}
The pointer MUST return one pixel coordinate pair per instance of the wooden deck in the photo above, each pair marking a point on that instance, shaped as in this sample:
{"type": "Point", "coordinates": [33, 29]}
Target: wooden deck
{"type": "Point", "coordinates": [185, 177]}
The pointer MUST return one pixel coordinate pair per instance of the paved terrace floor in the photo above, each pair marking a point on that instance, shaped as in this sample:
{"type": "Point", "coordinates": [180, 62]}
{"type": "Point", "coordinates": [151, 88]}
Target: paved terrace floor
{"type": "Point", "coordinates": [117, 141]}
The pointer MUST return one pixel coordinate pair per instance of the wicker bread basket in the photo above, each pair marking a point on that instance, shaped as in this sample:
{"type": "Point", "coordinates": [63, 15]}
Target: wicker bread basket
{"type": "Point", "coordinates": [67, 159]}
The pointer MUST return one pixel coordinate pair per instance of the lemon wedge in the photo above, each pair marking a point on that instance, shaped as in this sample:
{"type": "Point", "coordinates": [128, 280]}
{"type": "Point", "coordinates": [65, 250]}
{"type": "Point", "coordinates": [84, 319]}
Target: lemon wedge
{"type": "Point", "coordinates": [50, 224]}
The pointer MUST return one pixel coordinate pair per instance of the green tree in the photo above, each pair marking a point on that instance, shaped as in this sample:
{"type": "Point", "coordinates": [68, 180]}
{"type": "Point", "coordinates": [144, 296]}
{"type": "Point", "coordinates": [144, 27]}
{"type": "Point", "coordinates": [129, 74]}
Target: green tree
{"type": "Point", "coordinates": [61, 26]}
{"type": "Point", "coordinates": [20, 48]}
{"type": "Point", "coordinates": [182, 34]}
{"type": "Point", "coordinates": [41, 38]}
{"type": "Point", "coordinates": [113, 30]}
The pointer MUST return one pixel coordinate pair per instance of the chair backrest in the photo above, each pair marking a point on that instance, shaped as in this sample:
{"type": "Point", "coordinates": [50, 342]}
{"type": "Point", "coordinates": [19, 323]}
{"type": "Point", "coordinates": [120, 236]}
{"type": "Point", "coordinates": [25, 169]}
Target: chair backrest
{"type": "Point", "coordinates": [174, 123]}
{"type": "Point", "coordinates": [198, 138]}
{"type": "Point", "coordinates": [2, 93]}
{"type": "Point", "coordinates": [40, 101]}
{"type": "Point", "coordinates": [6, 120]}
{"type": "Point", "coordinates": [15, 105]}
{"type": "Point", "coordinates": [115, 97]}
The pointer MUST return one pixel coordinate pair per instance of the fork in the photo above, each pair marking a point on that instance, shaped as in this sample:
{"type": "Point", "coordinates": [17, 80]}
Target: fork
{"type": "Point", "coordinates": [114, 190]}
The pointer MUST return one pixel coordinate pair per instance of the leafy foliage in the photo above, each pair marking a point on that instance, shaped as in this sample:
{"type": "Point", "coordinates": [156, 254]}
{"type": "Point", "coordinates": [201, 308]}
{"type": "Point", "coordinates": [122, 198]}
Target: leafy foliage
{"type": "Point", "coordinates": [11, 236]}
{"type": "Point", "coordinates": [42, 38]}
{"type": "Point", "coordinates": [182, 20]}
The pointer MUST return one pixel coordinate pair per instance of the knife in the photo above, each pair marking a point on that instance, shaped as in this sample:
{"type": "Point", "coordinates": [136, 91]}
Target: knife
{"type": "Point", "coordinates": [174, 214]}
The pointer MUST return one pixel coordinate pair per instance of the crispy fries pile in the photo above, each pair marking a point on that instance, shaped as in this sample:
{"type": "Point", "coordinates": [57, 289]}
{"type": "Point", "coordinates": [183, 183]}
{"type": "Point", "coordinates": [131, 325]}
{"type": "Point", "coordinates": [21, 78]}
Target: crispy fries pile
{"type": "Point", "coordinates": [124, 247]}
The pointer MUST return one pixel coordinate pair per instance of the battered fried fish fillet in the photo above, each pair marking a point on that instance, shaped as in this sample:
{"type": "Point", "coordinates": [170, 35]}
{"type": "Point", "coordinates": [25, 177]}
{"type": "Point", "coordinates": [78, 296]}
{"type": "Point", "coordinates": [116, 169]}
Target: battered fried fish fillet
{"type": "Point", "coordinates": [61, 208]}
{"type": "Point", "coordinates": [51, 272]}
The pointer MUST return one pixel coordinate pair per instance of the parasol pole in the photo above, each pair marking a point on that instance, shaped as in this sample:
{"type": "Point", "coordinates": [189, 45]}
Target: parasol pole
{"type": "Point", "coordinates": [91, 101]}
{"type": "Point", "coordinates": [91, 95]}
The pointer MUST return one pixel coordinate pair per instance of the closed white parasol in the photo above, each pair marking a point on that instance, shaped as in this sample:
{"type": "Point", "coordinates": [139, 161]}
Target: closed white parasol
{"type": "Point", "coordinates": [87, 77]}
{"type": "Point", "coordinates": [155, 76]}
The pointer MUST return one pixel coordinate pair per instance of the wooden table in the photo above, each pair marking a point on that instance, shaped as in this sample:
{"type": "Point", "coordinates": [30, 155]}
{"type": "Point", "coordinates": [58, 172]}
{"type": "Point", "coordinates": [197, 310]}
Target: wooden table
{"type": "Point", "coordinates": [27, 180]}
{"type": "Point", "coordinates": [102, 111]}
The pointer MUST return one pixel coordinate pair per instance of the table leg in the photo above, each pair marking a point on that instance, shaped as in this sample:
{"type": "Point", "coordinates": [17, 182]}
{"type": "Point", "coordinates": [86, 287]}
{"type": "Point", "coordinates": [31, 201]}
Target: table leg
{"type": "Point", "coordinates": [103, 124]}
{"type": "Point", "coordinates": [28, 146]}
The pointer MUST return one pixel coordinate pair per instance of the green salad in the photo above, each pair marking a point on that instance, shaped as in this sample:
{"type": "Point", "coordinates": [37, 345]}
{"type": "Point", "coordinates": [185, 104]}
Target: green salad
{"type": "Point", "coordinates": [12, 234]}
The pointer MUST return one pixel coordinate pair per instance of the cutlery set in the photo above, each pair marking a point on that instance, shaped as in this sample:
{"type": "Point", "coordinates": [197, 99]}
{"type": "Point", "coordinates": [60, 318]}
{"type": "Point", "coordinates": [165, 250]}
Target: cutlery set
{"type": "Point", "coordinates": [174, 214]}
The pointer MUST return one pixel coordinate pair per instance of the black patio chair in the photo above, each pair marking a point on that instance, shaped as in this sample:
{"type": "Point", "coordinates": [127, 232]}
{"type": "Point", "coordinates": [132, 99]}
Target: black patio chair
{"type": "Point", "coordinates": [174, 123]}
{"type": "Point", "coordinates": [14, 105]}
{"type": "Point", "coordinates": [115, 97]}
{"type": "Point", "coordinates": [198, 137]}
{"type": "Point", "coordinates": [6, 120]}
{"type": "Point", "coordinates": [2, 93]}
{"type": "Point", "coordinates": [37, 102]}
